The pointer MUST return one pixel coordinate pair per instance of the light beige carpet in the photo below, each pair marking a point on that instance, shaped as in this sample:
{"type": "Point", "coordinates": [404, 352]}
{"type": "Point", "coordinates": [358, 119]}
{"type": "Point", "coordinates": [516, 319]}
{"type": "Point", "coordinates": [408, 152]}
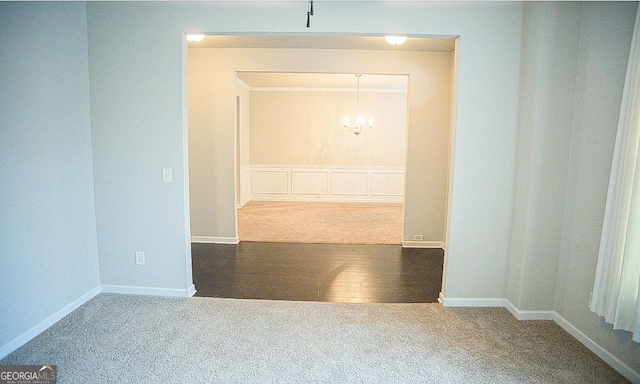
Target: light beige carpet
{"type": "Point", "coordinates": [144, 339]}
{"type": "Point", "coordinates": [338, 223]}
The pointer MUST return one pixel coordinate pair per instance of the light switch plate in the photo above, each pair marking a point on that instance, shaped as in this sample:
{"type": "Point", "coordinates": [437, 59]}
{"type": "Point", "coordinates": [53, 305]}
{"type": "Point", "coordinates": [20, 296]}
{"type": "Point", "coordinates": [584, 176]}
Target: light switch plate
{"type": "Point", "coordinates": [167, 176]}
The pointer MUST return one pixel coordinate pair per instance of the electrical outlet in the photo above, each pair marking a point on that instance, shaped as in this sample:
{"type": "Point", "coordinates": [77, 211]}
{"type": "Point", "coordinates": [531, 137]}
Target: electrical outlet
{"type": "Point", "coordinates": [140, 258]}
{"type": "Point", "coordinates": [418, 237]}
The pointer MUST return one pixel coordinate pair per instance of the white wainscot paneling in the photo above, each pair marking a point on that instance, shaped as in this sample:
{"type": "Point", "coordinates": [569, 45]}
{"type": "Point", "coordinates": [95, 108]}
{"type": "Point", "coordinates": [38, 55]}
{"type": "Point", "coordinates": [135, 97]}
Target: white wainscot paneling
{"type": "Point", "coordinates": [309, 183]}
{"type": "Point", "coordinates": [349, 183]}
{"type": "Point", "coordinates": [270, 182]}
{"type": "Point", "coordinates": [245, 185]}
{"type": "Point", "coordinates": [376, 184]}
{"type": "Point", "coordinates": [387, 184]}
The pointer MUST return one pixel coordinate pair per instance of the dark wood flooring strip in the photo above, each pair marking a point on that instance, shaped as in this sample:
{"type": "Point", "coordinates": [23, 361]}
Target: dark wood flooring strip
{"type": "Point", "coordinates": [318, 272]}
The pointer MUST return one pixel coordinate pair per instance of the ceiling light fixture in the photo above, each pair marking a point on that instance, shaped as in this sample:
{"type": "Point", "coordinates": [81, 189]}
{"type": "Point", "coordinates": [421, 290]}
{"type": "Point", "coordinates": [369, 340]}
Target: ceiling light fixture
{"type": "Point", "coordinates": [359, 123]}
{"type": "Point", "coordinates": [195, 38]}
{"type": "Point", "coordinates": [395, 40]}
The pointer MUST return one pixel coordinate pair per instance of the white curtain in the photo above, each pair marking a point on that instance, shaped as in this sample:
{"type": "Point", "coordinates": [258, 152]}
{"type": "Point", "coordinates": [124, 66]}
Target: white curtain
{"type": "Point", "coordinates": [616, 288]}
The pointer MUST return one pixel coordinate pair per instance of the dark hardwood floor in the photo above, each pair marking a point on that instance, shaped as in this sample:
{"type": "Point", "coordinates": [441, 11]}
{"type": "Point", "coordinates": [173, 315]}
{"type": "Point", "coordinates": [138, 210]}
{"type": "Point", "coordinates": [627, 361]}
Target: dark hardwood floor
{"type": "Point", "coordinates": [318, 272]}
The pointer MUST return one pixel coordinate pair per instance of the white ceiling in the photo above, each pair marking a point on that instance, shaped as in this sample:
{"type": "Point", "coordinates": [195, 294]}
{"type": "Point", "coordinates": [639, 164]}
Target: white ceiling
{"type": "Point", "coordinates": [325, 80]}
{"type": "Point", "coordinates": [430, 44]}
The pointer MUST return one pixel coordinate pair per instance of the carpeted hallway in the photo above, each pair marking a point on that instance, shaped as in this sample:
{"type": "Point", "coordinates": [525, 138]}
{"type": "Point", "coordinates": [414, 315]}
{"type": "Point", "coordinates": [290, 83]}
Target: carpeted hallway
{"type": "Point", "coordinates": [142, 339]}
{"type": "Point", "coordinates": [312, 222]}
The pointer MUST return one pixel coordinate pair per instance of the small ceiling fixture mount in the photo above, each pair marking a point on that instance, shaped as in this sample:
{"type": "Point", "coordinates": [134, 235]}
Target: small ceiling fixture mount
{"type": "Point", "coordinates": [309, 13]}
{"type": "Point", "coordinates": [195, 38]}
{"type": "Point", "coordinates": [395, 40]}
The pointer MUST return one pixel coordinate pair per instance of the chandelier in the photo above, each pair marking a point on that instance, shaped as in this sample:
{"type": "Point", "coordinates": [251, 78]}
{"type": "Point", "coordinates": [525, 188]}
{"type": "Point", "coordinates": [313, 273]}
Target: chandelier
{"type": "Point", "coordinates": [360, 122]}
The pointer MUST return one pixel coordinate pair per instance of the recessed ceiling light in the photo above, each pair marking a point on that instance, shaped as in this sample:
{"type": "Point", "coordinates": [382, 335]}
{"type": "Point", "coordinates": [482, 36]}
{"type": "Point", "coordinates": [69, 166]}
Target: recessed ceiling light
{"type": "Point", "coordinates": [395, 40]}
{"type": "Point", "coordinates": [195, 38]}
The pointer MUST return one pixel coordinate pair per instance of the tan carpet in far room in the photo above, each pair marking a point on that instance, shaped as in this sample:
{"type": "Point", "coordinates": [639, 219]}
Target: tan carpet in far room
{"type": "Point", "coordinates": [312, 222]}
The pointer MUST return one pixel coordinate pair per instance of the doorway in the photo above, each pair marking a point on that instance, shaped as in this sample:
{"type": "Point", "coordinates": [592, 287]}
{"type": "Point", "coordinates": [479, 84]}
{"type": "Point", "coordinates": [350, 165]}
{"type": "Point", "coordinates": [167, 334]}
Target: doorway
{"type": "Point", "coordinates": [306, 173]}
{"type": "Point", "coordinates": [429, 68]}
{"type": "Point", "coordinates": [430, 111]}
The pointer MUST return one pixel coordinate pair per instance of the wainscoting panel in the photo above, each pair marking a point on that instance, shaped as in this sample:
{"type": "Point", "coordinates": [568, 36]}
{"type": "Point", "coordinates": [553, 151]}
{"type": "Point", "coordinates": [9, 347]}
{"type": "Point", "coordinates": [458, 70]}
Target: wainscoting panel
{"type": "Point", "coordinates": [327, 183]}
{"type": "Point", "coordinates": [387, 184]}
{"type": "Point", "coordinates": [349, 183]}
{"type": "Point", "coordinates": [270, 182]}
{"type": "Point", "coordinates": [245, 185]}
{"type": "Point", "coordinates": [309, 183]}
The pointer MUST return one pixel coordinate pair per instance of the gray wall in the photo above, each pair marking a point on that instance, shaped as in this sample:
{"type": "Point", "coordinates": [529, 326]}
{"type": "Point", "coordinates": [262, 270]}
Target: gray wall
{"type": "Point", "coordinates": [605, 37]}
{"type": "Point", "coordinates": [548, 77]}
{"type": "Point", "coordinates": [48, 249]}
{"type": "Point", "coordinates": [136, 53]}
{"type": "Point", "coordinates": [573, 70]}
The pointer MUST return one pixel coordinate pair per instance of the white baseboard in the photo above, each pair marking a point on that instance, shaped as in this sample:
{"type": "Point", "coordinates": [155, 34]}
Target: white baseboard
{"type": "Point", "coordinates": [528, 315]}
{"type": "Point", "coordinates": [602, 353]}
{"type": "Point", "coordinates": [215, 240]}
{"type": "Point", "coordinates": [422, 244]}
{"type": "Point", "coordinates": [132, 290]}
{"type": "Point", "coordinates": [329, 198]}
{"type": "Point", "coordinates": [49, 321]}
{"type": "Point", "coordinates": [46, 323]}
{"type": "Point", "coordinates": [605, 355]}
{"type": "Point", "coordinates": [482, 302]}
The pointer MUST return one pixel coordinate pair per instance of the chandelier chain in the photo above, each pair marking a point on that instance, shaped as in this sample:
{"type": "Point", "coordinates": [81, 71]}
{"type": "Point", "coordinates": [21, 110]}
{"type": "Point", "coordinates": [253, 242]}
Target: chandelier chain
{"type": "Point", "coordinates": [359, 124]}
